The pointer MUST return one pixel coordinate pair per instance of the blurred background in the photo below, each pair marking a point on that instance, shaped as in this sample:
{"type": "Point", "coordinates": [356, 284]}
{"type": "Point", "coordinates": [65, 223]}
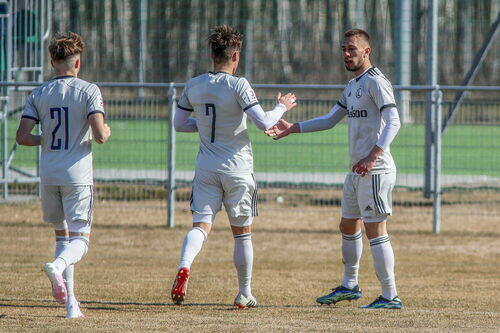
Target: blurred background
{"type": "Point", "coordinates": [414, 42]}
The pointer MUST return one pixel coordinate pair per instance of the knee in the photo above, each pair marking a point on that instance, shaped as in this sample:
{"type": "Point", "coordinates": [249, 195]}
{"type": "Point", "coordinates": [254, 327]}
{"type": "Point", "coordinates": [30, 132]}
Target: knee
{"type": "Point", "coordinates": [241, 224]}
{"type": "Point", "coordinates": [349, 226]}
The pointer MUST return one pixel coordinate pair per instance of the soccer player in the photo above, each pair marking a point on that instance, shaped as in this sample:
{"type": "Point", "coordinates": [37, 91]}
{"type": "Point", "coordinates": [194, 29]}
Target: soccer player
{"type": "Point", "coordinates": [373, 123]}
{"type": "Point", "coordinates": [221, 103]}
{"type": "Point", "coordinates": [71, 113]}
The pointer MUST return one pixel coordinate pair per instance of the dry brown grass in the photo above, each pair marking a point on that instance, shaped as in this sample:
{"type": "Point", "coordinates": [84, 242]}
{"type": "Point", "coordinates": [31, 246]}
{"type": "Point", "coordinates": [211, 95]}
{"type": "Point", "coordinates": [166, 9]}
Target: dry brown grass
{"type": "Point", "coordinates": [448, 282]}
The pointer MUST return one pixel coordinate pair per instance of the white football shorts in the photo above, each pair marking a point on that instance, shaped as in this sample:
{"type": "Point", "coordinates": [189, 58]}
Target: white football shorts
{"type": "Point", "coordinates": [67, 202]}
{"type": "Point", "coordinates": [238, 192]}
{"type": "Point", "coordinates": [368, 197]}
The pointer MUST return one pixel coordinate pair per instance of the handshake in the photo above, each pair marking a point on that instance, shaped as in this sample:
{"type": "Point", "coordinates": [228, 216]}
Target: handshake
{"type": "Point", "coordinates": [282, 128]}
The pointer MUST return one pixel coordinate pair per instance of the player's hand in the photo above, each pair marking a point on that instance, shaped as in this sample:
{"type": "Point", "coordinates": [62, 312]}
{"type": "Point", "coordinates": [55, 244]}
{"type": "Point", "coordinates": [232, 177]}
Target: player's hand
{"type": "Point", "coordinates": [107, 130]}
{"type": "Point", "coordinates": [364, 165]}
{"type": "Point", "coordinates": [289, 100]}
{"type": "Point", "coordinates": [281, 129]}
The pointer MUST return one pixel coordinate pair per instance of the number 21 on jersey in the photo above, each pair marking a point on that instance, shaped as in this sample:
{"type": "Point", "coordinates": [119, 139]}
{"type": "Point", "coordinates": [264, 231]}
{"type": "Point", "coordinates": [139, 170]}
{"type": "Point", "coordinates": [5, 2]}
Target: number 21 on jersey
{"type": "Point", "coordinates": [60, 115]}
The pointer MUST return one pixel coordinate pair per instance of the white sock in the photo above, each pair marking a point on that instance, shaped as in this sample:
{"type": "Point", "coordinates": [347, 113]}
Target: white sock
{"type": "Point", "coordinates": [243, 260]}
{"type": "Point", "coordinates": [352, 247]}
{"type": "Point", "coordinates": [191, 246]}
{"type": "Point", "coordinates": [383, 261]}
{"type": "Point", "coordinates": [73, 253]}
{"type": "Point", "coordinates": [68, 280]}
{"type": "Point", "coordinates": [61, 243]}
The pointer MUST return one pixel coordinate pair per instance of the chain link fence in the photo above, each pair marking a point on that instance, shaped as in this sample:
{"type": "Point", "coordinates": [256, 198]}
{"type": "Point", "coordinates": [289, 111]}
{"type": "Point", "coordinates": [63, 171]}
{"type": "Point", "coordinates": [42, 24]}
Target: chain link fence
{"type": "Point", "coordinates": [304, 171]}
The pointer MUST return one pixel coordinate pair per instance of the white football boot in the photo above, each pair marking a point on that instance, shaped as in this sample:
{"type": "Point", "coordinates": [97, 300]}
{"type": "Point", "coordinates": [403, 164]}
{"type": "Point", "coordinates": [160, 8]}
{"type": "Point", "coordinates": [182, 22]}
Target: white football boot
{"type": "Point", "coordinates": [245, 302]}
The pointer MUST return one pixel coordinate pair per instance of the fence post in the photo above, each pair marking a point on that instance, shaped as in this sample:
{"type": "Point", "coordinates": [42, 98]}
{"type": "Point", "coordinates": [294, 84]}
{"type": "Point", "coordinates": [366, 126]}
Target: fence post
{"type": "Point", "coordinates": [5, 151]}
{"type": "Point", "coordinates": [436, 214]}
{"type": "Point", "coordinates": [171, 157]}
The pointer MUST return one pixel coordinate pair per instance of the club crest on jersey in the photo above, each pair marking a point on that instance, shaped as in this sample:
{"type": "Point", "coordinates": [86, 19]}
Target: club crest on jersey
{"type": "Point", "coordinates": [358, 93]}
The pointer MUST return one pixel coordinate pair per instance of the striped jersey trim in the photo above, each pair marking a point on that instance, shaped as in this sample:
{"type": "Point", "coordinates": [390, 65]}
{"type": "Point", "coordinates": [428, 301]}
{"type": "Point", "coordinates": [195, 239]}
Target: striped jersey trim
{"type": "Point", "coordinates": [96, 111]}
{"type": "Point", "coordinates": [379, 240]}
{"type": "Point", "coordinates": [91, 206]}
{"type": "Point", "coordinates": [32, 118]}
{"type": "Point", "coordinates": [373, 71]}
{"type": "Point", "coordinates": [184, 108]}
{"type": "Point", "coordinates": [251, 106]}
{"type": "Point", "coordinates": [392, 105]}
{"type": "Point", "coordinates": [255, 196]}
{"type": "Point", "coordinates": [342, 105]}
{"type": "Point", "coordinates": [379, 203]}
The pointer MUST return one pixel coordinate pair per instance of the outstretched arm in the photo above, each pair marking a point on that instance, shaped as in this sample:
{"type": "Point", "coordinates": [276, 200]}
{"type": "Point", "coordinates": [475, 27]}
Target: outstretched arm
{"type": "Point", "coordinates": [24, 136]}
{"type": "Point", "coordinates": [265, 120]}
{"type": "Point", "coordinates": [320, 123]}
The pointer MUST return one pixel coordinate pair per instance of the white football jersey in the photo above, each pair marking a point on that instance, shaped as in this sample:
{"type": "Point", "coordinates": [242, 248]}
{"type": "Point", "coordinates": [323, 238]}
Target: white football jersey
{"type": "Point", "coordinates": [364, 98]}
{"type": "Point", "coordinates": [62, 106]}
{"type": "Point", "coordinates": [218, 101]}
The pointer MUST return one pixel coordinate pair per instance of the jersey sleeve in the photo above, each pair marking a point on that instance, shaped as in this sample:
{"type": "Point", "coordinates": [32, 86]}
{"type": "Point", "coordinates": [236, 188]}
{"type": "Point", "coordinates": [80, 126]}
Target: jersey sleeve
{"type": "Point", "coordinates": [245, 95]}
{"type": "Point", "coordinates": [381, 92]}
{"type": "Point", "coordinates": [29, 110]}
{"type": "Point", "coordinates": [95, 103]}
{"type": "Point", "coordinates": [342, 102]}
{"type": "Point", "coordinates": [183, 103]}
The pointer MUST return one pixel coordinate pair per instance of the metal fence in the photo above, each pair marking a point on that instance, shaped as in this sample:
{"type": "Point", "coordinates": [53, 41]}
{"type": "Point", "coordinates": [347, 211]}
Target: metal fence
{"type": "Point", "coordinates": [145, 163]}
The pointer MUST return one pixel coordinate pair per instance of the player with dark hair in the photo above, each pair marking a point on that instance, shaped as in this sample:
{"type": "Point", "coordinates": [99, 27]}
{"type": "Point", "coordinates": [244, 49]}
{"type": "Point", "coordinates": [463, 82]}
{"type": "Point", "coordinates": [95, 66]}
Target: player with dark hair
{"type": "Point", "coordinates": [373, 122]}
{"type": "Point", "coordinates": [71, 114]}
{"type": "Point", "coordinates": [221, 103]}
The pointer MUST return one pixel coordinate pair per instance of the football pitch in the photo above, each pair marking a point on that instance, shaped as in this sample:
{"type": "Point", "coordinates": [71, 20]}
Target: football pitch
{"type": "Point", "coordinates": [447, 282]}
{"type": "Point", "coordinates": [142, 145]}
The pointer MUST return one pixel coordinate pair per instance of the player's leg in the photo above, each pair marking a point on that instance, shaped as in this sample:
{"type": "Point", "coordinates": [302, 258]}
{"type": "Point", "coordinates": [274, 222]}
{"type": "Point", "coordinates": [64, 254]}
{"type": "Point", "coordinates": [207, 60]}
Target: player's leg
{"type": "Point", "coordinates": [377, 192]}
{"type": "Point", "coordinates": [206, 201]}
{"type": "Point", "coordinates": [77, 203]}
{"type": "Point", "coordinates": [62, 241]}
{"type": "Point", "coordinates": [78, 210]}
{"type": "Point", "coordinates": [352, 246]}
{"type": "Point", "coordinates": [240, 201]}
{"type": "Point", "coordinates": [243, 259]}
{"type": "Point", "coordinates": [53, 212]}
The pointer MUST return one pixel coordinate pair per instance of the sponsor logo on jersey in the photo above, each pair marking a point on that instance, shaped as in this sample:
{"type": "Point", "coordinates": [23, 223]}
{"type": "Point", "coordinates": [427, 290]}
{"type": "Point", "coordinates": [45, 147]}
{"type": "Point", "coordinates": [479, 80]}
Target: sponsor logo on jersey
{"type": "Point", "coordinates": [358, 93]}
{"type": "Point", "coordinates": [357, 113]}
{"type": "Point", "coordinates": [349, 94]}
{"type": "Point", "coordinates": [368, 208]}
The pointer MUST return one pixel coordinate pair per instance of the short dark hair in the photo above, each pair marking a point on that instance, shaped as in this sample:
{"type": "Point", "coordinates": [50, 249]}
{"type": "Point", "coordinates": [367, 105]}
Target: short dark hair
{"type": "Point", "coordinates": [63, 46]}
{"type": "Point", "coordinates": [223, 41]}
{"type": "Point", "coordinates": [357, 33]}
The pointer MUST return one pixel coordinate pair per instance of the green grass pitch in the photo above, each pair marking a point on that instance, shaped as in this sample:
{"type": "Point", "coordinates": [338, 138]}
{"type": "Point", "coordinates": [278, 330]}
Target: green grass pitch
{"type": "Point", "coordinates": [142, 144]}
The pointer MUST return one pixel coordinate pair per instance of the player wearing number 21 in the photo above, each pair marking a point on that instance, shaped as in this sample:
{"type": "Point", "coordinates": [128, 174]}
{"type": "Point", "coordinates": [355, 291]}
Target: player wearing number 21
{"type": "Point", "coordinates": [221, 103]}
{"type": "Point", "coordinates": [71, 114]}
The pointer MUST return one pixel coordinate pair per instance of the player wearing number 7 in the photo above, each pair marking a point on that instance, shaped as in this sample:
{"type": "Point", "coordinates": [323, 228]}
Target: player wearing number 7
{"type": "Point", "coordinates": [221, 103]}
{"type": "Point", "coordinates": [70, 112]}
{"type": "Point", "coordinates": [373, 122]}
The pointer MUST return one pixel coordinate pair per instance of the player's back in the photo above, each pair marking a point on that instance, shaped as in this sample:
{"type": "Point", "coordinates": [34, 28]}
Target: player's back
{"type": "Point", "coordinates": [216, 99]}
{"type": "Point", "coordinates": [62, 106]}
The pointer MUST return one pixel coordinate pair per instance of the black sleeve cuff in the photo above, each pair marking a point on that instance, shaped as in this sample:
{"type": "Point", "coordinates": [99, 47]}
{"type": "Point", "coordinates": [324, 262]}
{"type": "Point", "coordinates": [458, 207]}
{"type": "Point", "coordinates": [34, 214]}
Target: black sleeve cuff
{"type": "Point", "coordinates": [251, 106]}
{"type": "Point", "coordinates": [185, 109]}
{"type": "Point", "coordinates": [342, 105]}
{"type": "Point", "coordinates": [32, 118]}
{"type": "Point", "coordinates": [97, 111]}
{"type": "Point", "coordinates": [388, 106]}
